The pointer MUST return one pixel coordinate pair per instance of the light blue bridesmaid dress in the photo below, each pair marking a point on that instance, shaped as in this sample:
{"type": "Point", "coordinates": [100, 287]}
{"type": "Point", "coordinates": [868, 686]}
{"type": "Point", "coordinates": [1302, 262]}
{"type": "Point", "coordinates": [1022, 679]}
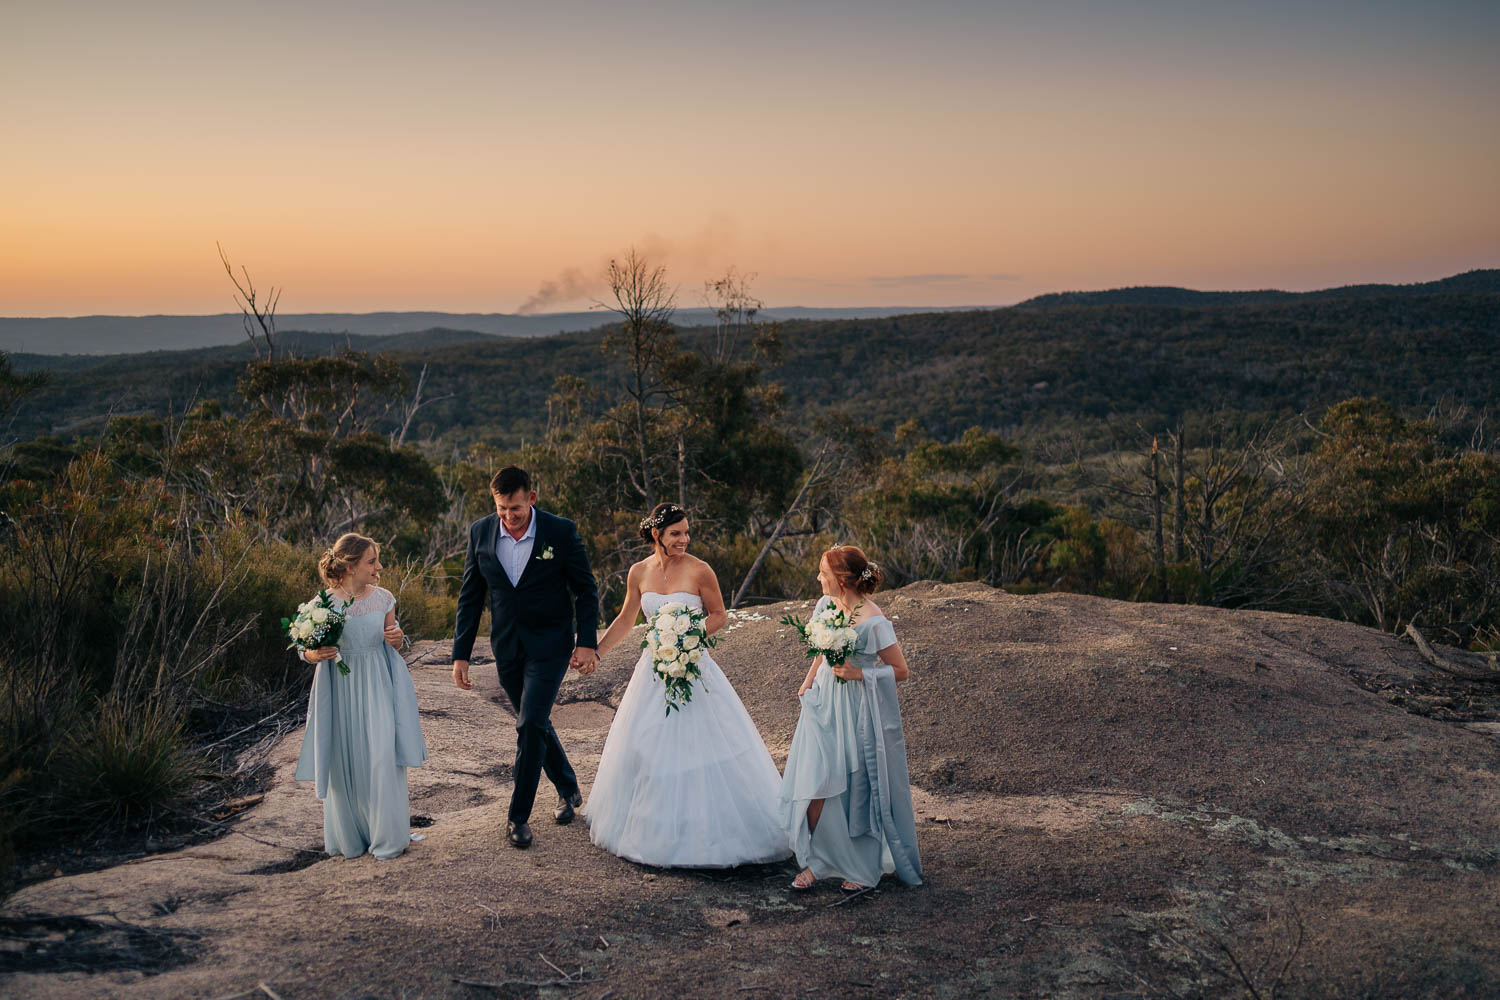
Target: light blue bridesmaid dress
{"type": "Point", "coordinates": [850, 752]}
{"type": "Point", "coordinates": [363, 732]}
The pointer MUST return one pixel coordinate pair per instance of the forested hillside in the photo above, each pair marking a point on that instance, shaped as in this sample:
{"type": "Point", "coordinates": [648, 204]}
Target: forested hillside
{"type": "Point", "coordinates": [1027, 371]}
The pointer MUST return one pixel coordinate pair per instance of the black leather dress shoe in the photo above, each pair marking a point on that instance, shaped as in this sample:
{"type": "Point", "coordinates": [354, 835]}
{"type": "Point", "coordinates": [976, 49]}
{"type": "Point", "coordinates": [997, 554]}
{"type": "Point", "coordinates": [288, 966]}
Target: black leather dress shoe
{"type": "Point", "coordinates": [564, 813]}
{"type": "Point", "coordinates": [519, 834]}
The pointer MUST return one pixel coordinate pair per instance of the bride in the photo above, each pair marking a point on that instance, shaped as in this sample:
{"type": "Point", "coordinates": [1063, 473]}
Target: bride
{"type": "Point", "coordinates": [695, 788]}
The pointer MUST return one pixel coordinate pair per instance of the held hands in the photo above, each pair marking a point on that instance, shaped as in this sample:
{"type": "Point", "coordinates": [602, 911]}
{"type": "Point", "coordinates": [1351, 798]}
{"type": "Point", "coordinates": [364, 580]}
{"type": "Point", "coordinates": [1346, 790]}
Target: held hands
{"type": "Point", "coordinates": [461, 675]}
{"type": "Point", "coordinates": [584, 660]}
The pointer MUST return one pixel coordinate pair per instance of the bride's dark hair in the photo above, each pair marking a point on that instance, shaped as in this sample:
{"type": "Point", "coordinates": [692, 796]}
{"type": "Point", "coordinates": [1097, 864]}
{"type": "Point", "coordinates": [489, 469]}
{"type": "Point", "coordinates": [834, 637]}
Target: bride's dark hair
{"type": "Point", "coordinates": [662, 515]}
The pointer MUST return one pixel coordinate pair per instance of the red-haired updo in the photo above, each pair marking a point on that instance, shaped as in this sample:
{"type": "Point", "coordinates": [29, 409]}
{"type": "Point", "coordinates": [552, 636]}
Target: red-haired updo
{"type": "Point", "coordinates": [854, 569]}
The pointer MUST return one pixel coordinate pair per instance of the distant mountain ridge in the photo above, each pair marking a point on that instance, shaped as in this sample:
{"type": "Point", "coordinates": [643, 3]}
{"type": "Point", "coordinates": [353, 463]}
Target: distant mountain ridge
{"type": "Point", "coordinates": [1478, 282]}
{"type": "Point", "coordinates": [137, 334]}
{"type": "Point", "coordinates": [222, 336]}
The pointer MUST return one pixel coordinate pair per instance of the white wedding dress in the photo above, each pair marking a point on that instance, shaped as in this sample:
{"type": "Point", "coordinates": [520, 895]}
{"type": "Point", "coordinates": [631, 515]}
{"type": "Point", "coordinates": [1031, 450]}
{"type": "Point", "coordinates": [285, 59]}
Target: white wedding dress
{"type": "Point", "coordinates": [693, 789]}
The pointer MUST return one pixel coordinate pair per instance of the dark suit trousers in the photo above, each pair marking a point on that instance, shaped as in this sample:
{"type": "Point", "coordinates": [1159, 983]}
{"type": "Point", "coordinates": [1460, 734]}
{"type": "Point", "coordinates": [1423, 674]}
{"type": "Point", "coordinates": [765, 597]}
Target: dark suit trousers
{"type": "Point", "coordinates": [532, 686]}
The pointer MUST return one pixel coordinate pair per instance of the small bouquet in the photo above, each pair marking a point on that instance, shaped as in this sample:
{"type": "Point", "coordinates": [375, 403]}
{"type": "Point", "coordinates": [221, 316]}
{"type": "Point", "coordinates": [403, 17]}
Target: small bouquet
{"type": "Point", "coordinates": [676, 639]}
{"type": "Point", "coordinates": [828, 635]}
{"type": "Point", "coordinates": [319, 622]}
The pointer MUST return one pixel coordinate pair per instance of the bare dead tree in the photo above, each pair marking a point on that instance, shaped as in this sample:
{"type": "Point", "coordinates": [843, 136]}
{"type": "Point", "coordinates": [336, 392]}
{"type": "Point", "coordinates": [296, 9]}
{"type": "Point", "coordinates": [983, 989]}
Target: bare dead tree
{"type": "Point", "coordinates": [645, 303]}
{"type": "Point", "coordinates": [409, 409]}
{"type": "Point", "coordinates": [808, 483]}
{"type": "Point", "coordinates": [1235, 504]}
{"type": "Point", "coordinates": [1179, 508]}
{"type": "Point", "coordinates": [734, 309]}
{"type": "Point", "coordinates": [257, 315]}
{"type": "Point", "coordinates": [1158, 549]}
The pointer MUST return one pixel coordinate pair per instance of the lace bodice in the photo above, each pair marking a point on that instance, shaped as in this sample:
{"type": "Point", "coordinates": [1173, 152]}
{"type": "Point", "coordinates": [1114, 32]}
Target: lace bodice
{"type": "Point", "coordinates": [651, 601]}
{"type": "Point", "coordinates": [364, 627]}
{"type": "Point", "coordinates": [377, 599]}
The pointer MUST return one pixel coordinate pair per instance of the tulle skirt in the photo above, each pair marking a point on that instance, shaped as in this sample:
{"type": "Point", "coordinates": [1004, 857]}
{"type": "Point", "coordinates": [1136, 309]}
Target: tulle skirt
{"type": "Point", "coordinates": [693, 789]}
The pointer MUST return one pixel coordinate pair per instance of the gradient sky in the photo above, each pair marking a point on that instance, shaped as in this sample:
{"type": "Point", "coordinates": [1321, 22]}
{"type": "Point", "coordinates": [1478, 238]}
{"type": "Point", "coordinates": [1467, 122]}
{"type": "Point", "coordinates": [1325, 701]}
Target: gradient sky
{"type": "Point", "coordinates": [461, 155]}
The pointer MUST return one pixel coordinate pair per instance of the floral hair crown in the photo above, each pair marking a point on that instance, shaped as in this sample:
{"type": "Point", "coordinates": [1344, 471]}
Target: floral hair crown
{"type": "Point", "coordinates": [656, 520]}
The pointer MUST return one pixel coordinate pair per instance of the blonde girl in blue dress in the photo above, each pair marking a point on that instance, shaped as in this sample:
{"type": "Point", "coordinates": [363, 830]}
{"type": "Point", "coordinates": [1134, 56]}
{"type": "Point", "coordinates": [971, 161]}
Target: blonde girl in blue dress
{"type": "Point", "coordinates": [363, 730]}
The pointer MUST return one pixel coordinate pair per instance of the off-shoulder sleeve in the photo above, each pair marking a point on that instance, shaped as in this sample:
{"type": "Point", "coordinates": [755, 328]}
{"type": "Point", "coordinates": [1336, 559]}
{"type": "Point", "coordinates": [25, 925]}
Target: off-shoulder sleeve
{"type": "Point", "coordinates": [880, 634]}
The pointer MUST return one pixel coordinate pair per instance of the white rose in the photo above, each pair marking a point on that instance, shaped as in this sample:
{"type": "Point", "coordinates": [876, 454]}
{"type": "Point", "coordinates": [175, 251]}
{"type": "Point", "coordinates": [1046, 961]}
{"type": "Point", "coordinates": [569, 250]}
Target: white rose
{"type": "Point", "coordinates": [319, 615]}
{"type": "Point", "coordinates": [666, 651]}
{"type": "Point", "coordinates": [303, 608]}
{"type": "Point", "coordinates": [695, 656]}
{"type": "Point", "coordinates": [690, 642]}
{"type": "Point", "coordinates": [304, 630]}
{"type": "Point", "coordinates": [672, 608]}
{"type": "Point", "coordinates": [679, 670]}
{"type": "Point", "coordinates": [684, 624]}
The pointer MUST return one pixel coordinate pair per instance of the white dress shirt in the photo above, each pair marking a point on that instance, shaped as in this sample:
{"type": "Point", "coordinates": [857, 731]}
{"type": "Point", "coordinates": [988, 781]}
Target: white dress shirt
{"type": "Point", "coordinates": [512, 553]}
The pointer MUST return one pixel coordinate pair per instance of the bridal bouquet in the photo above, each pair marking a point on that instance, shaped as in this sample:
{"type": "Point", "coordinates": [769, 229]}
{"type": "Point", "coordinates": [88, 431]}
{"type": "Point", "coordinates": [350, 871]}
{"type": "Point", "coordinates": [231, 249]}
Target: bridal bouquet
{"type": "Point", "coordinates": [828, 635]}
{"type": "Point", "coordinates": [676, 639]}
{"type": "Point", "coordinates": [319, 622]}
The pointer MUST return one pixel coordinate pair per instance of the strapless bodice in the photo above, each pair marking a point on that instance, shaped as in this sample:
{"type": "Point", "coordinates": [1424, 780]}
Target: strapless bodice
{"type": "Point", "coordinates": [652, 602]}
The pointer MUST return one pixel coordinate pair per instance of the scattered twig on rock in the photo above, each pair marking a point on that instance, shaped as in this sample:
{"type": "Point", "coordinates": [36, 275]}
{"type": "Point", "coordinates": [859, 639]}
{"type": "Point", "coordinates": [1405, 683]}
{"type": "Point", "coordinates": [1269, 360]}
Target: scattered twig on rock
{"type": "Point", "coordinates": [1236, 970]}
{"type": "Point", "coordinates": [259, 722]}
{"type": "Point", "coordinates": [854, 895]}
{"type": "Point", "coordinates": [268, 991]}
{"type": "Point", "coordinates": [568, 978]}
{"type": "Point", "coordinates": [1469, 666]}
{"type": "Point", "coordinates": [507, 983]}
{"type": "Point", "coordinates": [258, 840]}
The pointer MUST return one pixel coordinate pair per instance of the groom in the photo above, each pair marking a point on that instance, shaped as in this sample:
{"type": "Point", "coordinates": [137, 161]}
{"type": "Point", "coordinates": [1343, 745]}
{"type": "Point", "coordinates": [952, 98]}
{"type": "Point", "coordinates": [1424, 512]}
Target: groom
{"type": "Point", "coordinates": [537, 575]}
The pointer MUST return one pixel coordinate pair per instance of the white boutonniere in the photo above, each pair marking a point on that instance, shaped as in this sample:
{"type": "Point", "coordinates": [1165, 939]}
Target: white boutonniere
{"type": "Point", "coordinates": [546, 553]}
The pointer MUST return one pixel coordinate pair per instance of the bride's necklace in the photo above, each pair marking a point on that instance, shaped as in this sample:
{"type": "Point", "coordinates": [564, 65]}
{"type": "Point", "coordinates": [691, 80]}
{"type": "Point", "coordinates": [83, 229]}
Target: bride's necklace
{"type": "Point", "coordinates": [664, 563]}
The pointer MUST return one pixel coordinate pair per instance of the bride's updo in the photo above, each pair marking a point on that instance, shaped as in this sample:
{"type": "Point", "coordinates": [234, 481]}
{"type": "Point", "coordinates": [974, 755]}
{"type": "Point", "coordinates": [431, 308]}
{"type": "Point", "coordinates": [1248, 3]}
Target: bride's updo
{"type": "Point", "coordinates": [854, 569]}
{"type": "Point", "coordinates": [343, 555]}
{"type": "Point", "coordinates": [662, 515]}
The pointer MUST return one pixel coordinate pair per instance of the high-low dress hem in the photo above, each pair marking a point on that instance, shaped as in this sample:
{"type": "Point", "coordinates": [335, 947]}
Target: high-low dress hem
{"type": "Point", "coordinates": [850, 752]}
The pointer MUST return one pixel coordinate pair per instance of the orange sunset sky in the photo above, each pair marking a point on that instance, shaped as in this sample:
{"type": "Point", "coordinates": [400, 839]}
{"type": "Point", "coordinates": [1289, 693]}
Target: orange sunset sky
{"type": "Point", "coordinates": [461, 155]}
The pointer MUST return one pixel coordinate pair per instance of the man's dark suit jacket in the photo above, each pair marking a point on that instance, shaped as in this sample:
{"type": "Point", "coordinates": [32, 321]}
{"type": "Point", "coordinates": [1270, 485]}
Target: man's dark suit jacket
{"type": "Point", "coordinates": [536, 617]}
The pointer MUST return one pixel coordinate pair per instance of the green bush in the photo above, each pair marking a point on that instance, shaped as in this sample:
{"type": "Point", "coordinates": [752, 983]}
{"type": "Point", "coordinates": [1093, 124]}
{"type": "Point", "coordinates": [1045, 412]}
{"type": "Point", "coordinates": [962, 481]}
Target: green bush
{"type": "Point", "coordinates": [127, 764]}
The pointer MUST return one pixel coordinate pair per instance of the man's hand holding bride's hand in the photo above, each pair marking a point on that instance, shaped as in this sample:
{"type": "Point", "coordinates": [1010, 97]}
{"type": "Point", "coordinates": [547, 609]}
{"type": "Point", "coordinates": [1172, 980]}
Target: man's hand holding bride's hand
{"type": "Point", "coordinates": [584, 660]}
{"type": "Point", "coordinates": [461, 675]}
